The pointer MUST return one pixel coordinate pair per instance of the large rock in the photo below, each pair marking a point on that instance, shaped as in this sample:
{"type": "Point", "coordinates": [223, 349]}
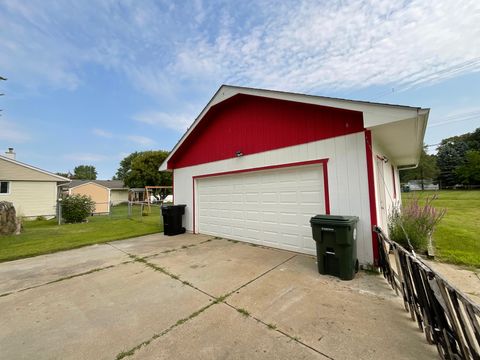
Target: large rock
{"type": "Point", "coordinates": [8, 218]}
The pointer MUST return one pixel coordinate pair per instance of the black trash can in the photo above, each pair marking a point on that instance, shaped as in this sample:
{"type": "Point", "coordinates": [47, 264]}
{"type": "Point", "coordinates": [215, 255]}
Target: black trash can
{"type": "Point", "coordinates": [336, 238]}
{"type": "Point", "coordinates": [172, 219]}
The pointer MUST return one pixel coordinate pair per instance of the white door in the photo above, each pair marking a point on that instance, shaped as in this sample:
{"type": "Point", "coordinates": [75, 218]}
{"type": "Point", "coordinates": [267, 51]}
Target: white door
{"type": "Point", "coordinates": [381, 201]}
{"type": "Point", "coordinates": [271, 207]}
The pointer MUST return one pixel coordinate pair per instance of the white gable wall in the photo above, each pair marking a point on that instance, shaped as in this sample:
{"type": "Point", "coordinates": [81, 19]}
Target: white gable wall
{"type": "Point", "coordinates": [347, 179]}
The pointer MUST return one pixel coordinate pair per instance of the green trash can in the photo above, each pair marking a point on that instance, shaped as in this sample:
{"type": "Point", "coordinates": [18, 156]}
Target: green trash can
{"type": "Point", "coordinates": [336, 238]}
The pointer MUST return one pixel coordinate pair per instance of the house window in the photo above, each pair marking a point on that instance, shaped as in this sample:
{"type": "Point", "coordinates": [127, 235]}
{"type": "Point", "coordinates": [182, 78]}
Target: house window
{"type": "Point", "coordinates": [4, 187]}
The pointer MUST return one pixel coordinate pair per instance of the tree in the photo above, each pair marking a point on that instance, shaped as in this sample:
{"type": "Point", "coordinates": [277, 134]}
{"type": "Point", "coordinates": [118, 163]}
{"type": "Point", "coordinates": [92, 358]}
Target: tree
{"type": "Point", "coordinates": [450, 155]}
{"type": "Point", "coordinates": [85, 172]}
{"type": "Point", "coordinates": [144, 170]}
{"type": "Point", "coordinates": [66, 175]}
{"type": "Point", "coordinates": [427, 169]}
{"type": "Point", "coordinates": [125, 166]}
{"type": "Point", "coordinates": [469, 172]}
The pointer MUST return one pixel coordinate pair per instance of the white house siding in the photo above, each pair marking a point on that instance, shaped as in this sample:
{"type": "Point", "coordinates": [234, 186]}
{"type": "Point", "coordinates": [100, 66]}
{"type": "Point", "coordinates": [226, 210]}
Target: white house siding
{"type": "Point", "coordinates": [32, 198]}
{"type": "Point", "coordinates": [347, 179]}
{"type": "Point", "coordinates": [118, 196]}
{"type": "Point", "coordinates": [12, 171]}
{"type": "Point", "coordinates": [385, 184]}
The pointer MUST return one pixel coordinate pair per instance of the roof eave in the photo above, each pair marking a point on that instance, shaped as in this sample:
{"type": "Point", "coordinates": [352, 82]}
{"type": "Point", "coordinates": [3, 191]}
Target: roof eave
{"type": "Point", "coordinates": [370, 117]}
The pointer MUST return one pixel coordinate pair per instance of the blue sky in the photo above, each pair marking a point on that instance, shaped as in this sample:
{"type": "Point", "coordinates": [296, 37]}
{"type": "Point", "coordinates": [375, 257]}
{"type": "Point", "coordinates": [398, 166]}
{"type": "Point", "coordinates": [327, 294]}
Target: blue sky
{"type": "Point", "coordinates": [91, 81]}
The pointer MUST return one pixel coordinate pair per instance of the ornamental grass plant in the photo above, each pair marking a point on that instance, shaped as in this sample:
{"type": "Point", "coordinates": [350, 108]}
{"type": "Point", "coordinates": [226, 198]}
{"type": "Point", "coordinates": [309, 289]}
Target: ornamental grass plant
{"type": "Point", "coordinates": [412, 226]}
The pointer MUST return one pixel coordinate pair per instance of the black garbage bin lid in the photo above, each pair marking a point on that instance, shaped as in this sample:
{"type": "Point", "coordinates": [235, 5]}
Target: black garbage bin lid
{"type": "Point", "coordinates": [171, 206]}
{"type": "Point", "coordinates": [333, 218]}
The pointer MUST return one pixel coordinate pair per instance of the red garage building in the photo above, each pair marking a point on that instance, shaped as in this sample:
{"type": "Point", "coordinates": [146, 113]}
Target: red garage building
{"type": "Point", "coordinates": [256, 165]}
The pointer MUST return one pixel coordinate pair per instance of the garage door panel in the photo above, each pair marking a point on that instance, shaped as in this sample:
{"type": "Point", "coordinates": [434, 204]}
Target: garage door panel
{"type": "Point", "coordinates": [310, 197]}
{"type": "Point", "coordinates": [288, 197]}
{"type": "Point", "coordinates": [271, 207]}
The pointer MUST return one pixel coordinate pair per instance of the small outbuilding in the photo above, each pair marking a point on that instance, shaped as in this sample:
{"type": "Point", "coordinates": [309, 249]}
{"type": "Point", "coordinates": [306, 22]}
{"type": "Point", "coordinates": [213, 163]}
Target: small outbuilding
{"type": "Point", "coordinates": [256, 165]}
{"type": "Point", "coordinates": [105, 193]}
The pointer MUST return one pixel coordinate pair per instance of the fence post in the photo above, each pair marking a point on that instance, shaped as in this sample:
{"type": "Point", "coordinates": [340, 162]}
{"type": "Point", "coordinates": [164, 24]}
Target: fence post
{"type": "Point", "coordinates": [129, 209]}
{"type": "Point", "coordinates": [59, 211]}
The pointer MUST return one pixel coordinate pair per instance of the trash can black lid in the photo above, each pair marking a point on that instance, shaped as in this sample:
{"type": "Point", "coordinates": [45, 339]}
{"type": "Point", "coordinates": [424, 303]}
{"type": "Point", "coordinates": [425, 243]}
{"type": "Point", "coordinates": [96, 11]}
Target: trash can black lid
{"type": "Point", "coordinates": [318, 219]}
{"type": "Point", "coordinates": [169, 206]}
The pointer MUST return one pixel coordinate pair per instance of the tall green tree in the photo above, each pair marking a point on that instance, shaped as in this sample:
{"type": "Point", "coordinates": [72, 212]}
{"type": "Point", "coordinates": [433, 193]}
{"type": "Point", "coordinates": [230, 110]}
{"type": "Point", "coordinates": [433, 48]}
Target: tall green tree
{"type": "Point", "coordinates": [125, 166]}
{"type": "Point", "coordinates": [469, 172]}
{"type": "Point", "coordinates": [427, 169]}
{"type": "Point", "coordinates": [85, 172]}
{"type": "Point", "coordinates": [452, 156]}
{"type": "Point", "coordinates": [144, 170]}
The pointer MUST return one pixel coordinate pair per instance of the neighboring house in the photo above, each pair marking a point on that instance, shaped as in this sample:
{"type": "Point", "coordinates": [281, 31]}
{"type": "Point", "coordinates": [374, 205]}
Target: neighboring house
{"type": "Point", "coordinates": [256, 165]}
{"type": "Point", "coordinates": [416, 185]}
{"type": "Point", "coordinates": [32, 191]}
{"type": "Point", "coordinates": [104, 193]}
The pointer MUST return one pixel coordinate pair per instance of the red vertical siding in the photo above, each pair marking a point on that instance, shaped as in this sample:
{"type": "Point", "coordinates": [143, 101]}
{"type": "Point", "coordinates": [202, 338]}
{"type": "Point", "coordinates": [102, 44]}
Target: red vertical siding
{"type": "Point", "coordinates": [253, 124]}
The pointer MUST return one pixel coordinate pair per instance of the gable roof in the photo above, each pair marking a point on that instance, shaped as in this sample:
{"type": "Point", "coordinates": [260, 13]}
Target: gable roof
{"type": "Point", "coordinates": [109, 184]}
{"type": "Point", "coordinates": [375, 115]}
{"type": "Point", "coordinates": [42, 175]}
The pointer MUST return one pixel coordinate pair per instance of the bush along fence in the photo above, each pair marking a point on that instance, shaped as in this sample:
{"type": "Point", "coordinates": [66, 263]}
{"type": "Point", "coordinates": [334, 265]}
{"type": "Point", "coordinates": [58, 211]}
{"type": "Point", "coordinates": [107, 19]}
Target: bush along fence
{"type": "Point", "coordinates": [105, 210]}
{"type": "Point", "coordinates": [449, 319]}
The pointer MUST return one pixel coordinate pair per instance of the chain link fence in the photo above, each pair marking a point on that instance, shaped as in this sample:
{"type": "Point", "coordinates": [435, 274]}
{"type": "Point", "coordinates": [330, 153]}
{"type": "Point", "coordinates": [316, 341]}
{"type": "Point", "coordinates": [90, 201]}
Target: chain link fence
{"type": "Point", "coordinates": [104, 211]}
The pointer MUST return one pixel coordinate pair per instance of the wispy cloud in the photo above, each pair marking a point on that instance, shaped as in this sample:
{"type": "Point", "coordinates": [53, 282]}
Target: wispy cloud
{"type": "Point", "coordinates": [179, 122]}
{"type": "Point", "coordinates": [137, 139]}
{"type": "Point", "coordinates": [352, 44]}
{"type": "Point", "coordinates": [12, 133]}
{"type": "Point", "coordinates": [102, 133]}
{"type": "Point", "coordinates": [91, 157]}
{"type": "Point", "coordinates": [310, 46]}
{"type": "Point", "coordinates": [141, 140]}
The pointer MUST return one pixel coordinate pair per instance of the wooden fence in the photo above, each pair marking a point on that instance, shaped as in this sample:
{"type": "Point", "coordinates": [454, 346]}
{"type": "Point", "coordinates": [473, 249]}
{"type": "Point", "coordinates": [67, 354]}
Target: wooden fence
{"type": "Point", "coordinates": [448, 318]}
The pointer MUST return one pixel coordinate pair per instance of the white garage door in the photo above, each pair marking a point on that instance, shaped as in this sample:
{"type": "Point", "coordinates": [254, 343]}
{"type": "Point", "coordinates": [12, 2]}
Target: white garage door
{"type": "Point", "coordinates": [271, 207]}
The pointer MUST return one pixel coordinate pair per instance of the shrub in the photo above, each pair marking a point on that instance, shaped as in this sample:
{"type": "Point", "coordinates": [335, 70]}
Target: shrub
{"type": "Point", "coordinates": [76, 208]}
{"type": "Point", "coordinates": [418, 222]}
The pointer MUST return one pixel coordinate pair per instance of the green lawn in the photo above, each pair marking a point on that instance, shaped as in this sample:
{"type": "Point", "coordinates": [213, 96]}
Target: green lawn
{"type": "Point", "coordinates": [457, 236]}
{"type": "Point", "coordinates": [45, 236]}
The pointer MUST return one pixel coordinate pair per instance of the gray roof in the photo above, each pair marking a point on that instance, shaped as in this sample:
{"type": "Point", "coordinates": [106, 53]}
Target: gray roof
{"type": "Point", "coordinates": [111, 184]}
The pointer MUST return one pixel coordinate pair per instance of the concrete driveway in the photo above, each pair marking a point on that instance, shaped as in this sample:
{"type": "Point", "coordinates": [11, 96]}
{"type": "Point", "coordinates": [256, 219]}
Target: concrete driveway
{"type": "Point", "coordinates": [194, 296]}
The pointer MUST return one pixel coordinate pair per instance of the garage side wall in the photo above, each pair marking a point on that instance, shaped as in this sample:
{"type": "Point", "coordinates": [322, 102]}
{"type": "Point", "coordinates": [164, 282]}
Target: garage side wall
{"type": "Point", "coordinates": [347, 179]}
{"type": "Point", "coordinates": [118, 196]}
{"type": "Point", "coordinates": [99, 194]}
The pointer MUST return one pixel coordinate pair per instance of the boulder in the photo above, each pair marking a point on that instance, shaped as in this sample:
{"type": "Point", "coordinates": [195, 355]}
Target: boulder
{"type": "Point", "coordinates": [9, 223]}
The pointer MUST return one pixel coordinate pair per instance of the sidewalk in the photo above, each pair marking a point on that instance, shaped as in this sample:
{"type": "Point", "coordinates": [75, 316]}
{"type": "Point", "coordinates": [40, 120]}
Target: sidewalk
{"type": "Point", "coordinates": [464, 279]}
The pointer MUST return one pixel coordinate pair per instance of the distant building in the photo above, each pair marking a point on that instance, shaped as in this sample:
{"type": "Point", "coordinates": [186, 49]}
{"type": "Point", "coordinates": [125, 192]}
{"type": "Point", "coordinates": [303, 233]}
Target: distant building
{"type": "Point", "coordinates": [105, 193]}
{"type": "Point", "coordinates": [416, 185]}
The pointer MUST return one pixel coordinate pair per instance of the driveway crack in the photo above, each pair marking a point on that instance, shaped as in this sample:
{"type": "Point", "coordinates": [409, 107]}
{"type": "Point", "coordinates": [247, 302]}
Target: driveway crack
{"type": "Point", "coordinates": [273, 327]}
{"type": "Point", "coordinates": [217, 300]}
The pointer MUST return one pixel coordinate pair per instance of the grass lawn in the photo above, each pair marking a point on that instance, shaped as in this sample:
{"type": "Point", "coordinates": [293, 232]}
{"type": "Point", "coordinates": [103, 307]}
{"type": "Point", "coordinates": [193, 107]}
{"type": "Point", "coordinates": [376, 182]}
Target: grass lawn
{"type": "Point", "coordinates": [45, 236]}
{"type": "Point", "coordinates": [457, 237]}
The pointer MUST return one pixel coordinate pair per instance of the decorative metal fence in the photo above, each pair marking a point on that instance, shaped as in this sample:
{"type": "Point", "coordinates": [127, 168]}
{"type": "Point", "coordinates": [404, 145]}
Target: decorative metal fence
{"type": "Point", "coordinates": [448, 318]}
